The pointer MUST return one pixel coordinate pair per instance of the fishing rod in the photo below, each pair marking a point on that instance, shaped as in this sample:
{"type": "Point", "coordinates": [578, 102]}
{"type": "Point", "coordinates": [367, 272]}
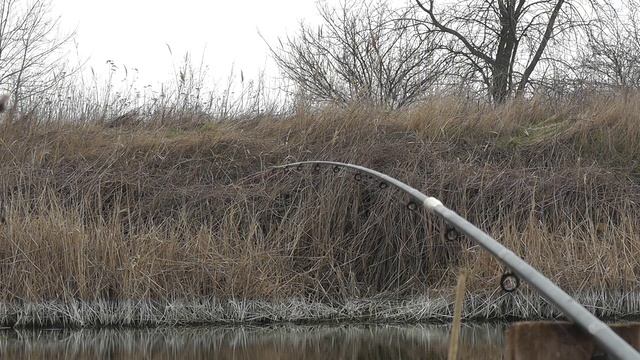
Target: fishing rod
{"type": "Point", "coordinates": [604, 336]}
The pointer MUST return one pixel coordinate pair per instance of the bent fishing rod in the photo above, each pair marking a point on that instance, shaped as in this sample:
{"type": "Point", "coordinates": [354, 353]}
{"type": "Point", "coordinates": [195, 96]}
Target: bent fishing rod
{"type": "Point", "coordinates": [603, 334]}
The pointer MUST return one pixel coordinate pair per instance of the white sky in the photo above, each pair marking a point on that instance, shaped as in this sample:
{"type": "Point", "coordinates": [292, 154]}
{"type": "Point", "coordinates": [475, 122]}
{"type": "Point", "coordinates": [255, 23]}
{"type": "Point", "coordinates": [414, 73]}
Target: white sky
{"type": "Point", "coordinates": [135, 32]}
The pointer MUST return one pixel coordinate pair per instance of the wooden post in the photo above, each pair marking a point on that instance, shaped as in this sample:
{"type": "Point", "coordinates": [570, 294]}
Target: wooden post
{"type": "Point", "coordinates": [454, 338]}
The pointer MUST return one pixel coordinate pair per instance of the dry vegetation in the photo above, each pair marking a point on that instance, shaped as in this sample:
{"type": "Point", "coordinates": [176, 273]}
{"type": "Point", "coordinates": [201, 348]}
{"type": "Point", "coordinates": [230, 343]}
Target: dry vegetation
{"type": "Point", "coordinates": [104, 220]}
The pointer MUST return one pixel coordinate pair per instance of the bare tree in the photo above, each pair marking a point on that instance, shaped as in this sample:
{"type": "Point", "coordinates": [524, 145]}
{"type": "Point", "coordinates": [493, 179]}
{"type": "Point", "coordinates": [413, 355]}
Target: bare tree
{"type": "Point", "coordinates": [611, 57]}
{"type": "Point", "coordinates": [31, 48]}
{"type": "Point", "coordinates": [501, 42]}
{"type": "Point", "coordinates": [361, 52]}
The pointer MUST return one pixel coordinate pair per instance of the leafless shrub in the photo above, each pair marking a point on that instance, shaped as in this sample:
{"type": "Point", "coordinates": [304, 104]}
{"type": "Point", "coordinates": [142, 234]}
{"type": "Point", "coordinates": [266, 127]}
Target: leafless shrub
{"type": "Point", "coordinates": [31, 50]}
{"type": "Point", "coordinates": [361, 53]}
{"type": "Point", "coordinates": [611, 58]}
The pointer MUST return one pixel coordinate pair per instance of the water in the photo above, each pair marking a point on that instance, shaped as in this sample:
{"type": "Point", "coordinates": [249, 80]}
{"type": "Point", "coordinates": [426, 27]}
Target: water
{"type": "Point", "coordinates": [241, 342]}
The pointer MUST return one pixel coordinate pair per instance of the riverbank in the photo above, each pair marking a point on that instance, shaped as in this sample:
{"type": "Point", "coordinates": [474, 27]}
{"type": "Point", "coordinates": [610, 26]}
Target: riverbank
{"type": "Point", "coordinates": [103, 222]}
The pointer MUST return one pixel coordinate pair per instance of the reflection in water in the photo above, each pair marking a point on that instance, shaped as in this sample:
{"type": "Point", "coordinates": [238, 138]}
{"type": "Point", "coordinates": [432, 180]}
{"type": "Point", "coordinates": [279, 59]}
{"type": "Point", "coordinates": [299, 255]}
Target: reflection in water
{"type": "Point", "coordinates": [242, 342]}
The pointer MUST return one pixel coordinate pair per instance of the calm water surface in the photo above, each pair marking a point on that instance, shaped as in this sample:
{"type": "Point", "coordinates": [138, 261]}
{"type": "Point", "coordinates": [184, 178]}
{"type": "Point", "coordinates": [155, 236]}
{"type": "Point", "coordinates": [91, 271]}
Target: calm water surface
{"type": "Point", "coordinates": [241, 342]}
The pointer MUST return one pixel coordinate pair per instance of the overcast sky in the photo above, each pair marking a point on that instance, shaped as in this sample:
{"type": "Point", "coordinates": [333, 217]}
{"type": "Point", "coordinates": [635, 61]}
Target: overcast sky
{"type": "Point", "coordinates": [136, 32]}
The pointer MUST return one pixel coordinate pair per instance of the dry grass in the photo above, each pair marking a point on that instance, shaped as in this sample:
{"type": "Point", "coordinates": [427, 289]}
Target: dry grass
{"type": "Point", "coordinates": [153, 214]}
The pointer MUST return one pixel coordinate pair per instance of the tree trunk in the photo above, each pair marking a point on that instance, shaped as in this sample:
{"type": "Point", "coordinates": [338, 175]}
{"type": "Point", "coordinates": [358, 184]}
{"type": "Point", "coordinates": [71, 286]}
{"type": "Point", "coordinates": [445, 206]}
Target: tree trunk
{"type": "Point", "coordinates": [500, 86]}
{"type": "Point", "coordinates": [501, 70]}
